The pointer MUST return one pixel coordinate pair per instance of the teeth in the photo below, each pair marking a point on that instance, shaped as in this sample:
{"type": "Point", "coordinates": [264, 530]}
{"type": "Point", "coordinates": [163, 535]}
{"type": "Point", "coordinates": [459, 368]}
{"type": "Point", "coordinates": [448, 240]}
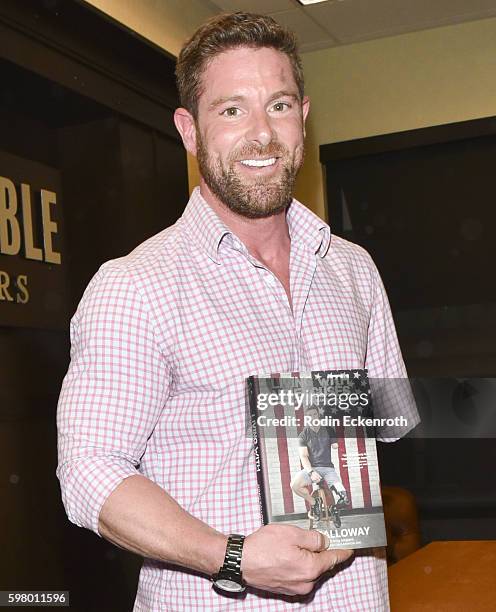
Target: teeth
{"type": "Point", "coordinates": [259, 163]}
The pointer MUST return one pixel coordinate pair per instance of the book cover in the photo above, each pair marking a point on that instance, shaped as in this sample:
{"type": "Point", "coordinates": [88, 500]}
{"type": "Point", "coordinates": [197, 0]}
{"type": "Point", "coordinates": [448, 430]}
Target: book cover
{"type": "Point", "coordinates": [315, 453]}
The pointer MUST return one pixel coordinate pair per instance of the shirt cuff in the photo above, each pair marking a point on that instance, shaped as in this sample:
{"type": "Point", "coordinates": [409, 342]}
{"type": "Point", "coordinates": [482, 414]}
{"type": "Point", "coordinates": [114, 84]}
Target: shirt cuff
{"type": "Point", "coordinates": [87, 483]}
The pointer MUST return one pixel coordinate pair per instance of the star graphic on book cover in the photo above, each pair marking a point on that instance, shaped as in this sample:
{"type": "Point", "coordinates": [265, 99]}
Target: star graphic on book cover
{"type": "Point", "coordinates": [356, 374]}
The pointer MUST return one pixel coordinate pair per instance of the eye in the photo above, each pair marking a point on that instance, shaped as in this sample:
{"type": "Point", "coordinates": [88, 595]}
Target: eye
{"type": "Point", "coordinates": [232, 111]}
{"type": "Point", "coordinates": [280, 106]}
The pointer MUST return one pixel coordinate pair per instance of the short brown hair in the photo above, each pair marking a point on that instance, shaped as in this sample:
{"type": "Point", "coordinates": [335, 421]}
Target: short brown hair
{"type": "Point", "coordinates": [230, 31]}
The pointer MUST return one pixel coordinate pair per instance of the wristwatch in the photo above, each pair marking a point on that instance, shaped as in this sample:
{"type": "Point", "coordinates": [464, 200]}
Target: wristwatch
{"type": "Point", "coordinates": [229, 577]}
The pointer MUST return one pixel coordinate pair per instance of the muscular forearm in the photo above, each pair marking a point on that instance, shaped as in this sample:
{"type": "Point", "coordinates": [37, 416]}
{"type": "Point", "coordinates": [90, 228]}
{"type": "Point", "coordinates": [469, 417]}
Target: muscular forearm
{"type": "Point", "coordinates": [143, 518]}
{"type": "Point", "coordinates": [305, 458]}
{"type": "Point", "coordinates": [305, 462]}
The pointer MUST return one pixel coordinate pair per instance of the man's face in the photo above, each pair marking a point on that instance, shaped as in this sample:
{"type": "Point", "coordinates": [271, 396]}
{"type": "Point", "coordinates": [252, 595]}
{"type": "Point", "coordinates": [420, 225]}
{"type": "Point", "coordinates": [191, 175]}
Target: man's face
{"type": "Point", "coordinates": [250, 130]}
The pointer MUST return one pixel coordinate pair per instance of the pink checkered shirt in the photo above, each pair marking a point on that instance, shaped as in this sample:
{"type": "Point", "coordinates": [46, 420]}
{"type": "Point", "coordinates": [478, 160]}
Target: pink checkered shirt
{"type": "Point", "coordinates": [162, 342]}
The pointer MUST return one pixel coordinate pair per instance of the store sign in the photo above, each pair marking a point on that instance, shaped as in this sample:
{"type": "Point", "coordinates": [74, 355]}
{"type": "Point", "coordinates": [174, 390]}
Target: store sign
{"type": "Point", "coordinates": [33, 291]}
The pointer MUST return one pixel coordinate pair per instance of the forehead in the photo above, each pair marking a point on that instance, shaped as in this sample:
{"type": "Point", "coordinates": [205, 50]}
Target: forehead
{"type": "Point", "coordinates": [247, 70]}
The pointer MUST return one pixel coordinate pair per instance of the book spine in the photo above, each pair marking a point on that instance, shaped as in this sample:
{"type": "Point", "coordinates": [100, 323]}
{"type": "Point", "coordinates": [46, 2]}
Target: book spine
{"type": "Point", "coordinates": [257, 448]}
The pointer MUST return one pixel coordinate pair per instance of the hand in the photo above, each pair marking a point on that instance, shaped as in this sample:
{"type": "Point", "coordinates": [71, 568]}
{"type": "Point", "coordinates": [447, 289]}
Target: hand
{"type": "Point", "coordinates": [315, 476]}
{"type": "Point", "coordinates": [286, 559]}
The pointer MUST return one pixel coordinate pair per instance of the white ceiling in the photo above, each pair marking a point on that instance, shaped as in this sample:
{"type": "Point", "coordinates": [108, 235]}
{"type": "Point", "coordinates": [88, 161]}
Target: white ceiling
{"type": "Point", "coordinates": [341, 22]}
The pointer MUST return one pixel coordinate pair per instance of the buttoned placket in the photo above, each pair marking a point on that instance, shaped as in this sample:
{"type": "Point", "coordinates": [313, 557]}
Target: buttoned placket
{"type": "Point", "coordinates": [302, 270]}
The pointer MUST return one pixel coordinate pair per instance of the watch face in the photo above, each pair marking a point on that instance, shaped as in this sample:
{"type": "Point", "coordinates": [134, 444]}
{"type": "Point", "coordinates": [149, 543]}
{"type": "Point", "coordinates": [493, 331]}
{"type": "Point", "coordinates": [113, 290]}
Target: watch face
{"type": "Point", "coordinates": [229, 585]}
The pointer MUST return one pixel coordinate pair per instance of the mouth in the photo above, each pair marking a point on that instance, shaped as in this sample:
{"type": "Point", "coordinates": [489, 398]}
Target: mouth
{"type": "Point", "coordinates": [268, 162]}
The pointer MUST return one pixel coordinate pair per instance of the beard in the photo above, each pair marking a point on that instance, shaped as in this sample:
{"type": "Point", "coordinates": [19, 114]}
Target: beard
{"type": "Point", "coordinates": [257, 198]}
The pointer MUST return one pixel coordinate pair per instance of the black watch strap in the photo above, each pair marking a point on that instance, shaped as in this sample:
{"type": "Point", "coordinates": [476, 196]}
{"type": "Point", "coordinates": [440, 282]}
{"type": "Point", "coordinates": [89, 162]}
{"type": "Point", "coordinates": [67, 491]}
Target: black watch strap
{"type": "Point", "coordinates": [231, 569]}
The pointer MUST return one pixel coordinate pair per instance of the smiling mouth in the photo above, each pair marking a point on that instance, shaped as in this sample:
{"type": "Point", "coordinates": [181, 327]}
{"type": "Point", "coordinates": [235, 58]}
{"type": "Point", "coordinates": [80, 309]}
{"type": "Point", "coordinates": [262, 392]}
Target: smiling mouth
{"type": "Point", "coordinates": [259, 163]}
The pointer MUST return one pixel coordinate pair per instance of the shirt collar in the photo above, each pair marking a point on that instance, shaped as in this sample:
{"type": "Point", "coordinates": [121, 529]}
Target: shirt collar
{"type": "Point", "coordinates": [204, 226]}
{"type": "Point", "coordinates": [307, 227]}
{"type": "Point", "coordinates": [208, 231]}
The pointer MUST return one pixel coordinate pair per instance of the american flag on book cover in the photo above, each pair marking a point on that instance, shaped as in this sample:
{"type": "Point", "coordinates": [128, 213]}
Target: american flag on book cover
{"type": "Point", "coordinates": [355, 459]}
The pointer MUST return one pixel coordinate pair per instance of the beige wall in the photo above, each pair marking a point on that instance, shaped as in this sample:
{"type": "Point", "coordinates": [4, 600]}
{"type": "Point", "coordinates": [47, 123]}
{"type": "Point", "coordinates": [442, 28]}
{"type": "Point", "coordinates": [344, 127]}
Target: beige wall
{"type": "Point", "coordinates": [387, 85]}
{"type": "Point", "coordinates": [393, 84]}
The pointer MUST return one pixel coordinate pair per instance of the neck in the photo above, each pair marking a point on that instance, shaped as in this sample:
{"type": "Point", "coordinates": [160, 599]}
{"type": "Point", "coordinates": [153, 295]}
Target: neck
{"type": "Point", "coordinates": [266, 238]}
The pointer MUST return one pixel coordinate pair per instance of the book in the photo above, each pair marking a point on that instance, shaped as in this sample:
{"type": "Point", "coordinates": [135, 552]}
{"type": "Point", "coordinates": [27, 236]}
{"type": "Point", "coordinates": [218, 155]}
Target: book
{"type": "Point", "coordinates": [313, 426]}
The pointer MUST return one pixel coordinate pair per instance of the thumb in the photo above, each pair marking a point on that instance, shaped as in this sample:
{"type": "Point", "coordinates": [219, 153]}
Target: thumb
{"type": "Point", "coordinates": [313, 540]}
{"type": "Point", "coordinates": [330, 558]}
{"type": "Point", "coordinates": [317, 542]}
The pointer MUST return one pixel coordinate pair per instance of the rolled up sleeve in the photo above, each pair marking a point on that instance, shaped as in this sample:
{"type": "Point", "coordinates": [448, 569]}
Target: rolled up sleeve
{"type": "Point", "coordinates": [112, 395]}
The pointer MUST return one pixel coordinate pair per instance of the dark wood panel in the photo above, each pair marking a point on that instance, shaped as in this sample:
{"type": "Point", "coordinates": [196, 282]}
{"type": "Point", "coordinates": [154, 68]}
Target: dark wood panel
{"type": "Point", "coordinates": [108, 137]}
{"type": "Point", "coordinates": [69, 44]}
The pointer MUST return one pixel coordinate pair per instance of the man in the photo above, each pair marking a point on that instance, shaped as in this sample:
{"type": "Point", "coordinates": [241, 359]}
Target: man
{"type": "Point", "coordinates": [314, 447]}
{"type": "Point", "coordinates": [153, 451]}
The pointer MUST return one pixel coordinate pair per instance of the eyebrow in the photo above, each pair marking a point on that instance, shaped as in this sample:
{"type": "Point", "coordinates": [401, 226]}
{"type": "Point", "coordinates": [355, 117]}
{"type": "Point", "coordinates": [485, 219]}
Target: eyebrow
{"type": "Point", "coordinates": [278, 94]}
{"type": "Point", "coordinates": [284, 93]}
{"type": "Point", "coordinates": [223, 99]}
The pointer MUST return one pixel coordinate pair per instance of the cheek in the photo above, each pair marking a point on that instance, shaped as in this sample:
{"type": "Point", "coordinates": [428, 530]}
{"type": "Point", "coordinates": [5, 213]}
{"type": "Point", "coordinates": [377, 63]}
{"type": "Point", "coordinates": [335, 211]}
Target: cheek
{"type": "Point", "coordinates": [220, 144]}
{"type": "Point", "coordinates": [295, 135]}
{"type": "Point", "coordinates": [224, 136]}
{"type": "Point", "coordinates": [290, 133]}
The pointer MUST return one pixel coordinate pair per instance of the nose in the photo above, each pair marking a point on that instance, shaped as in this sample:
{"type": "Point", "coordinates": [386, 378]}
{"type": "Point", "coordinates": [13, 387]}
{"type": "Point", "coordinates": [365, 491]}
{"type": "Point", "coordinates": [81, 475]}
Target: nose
{"type": "Point", "coordinates": [260, 129]}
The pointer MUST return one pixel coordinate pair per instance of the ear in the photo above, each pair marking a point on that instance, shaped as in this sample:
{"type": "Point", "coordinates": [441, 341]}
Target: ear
{"type": "Point", "coordinates": [185, 125]}
{"type": "Point", "coordinates": [305, 105]}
